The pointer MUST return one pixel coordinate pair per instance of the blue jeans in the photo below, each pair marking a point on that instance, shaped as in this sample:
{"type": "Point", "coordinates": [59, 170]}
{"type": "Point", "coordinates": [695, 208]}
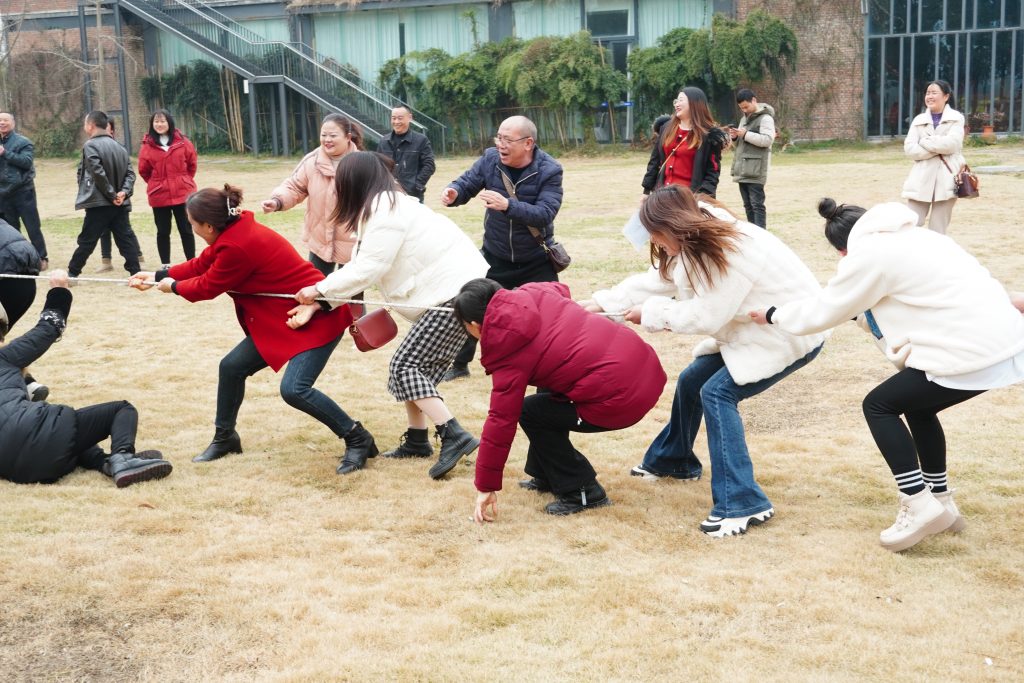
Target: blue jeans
{"type": "Point", "coordinates": [706, 388]}
{"type": "Point", "coordinates": [296, 385]}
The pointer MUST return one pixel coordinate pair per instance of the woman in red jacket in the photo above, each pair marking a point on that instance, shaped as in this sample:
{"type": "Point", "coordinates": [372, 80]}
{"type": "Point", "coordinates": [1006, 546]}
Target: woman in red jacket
{"type": "Point", "coordinates": [167, 162]}
{"type": "Point", "coordinates": [598, 376]}
{"type": "Point", "coordinates": [245, 258]}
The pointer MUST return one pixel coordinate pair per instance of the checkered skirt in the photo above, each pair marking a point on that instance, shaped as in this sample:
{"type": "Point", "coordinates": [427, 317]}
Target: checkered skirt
{"type": "Point", "coordinates": [425, 355]}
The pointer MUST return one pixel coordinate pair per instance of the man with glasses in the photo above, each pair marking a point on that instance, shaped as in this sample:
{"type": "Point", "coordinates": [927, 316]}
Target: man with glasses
{"type": "Point", "coordinates": [521, 186]}
{"type": "Point", "coordinates": [411, 152]}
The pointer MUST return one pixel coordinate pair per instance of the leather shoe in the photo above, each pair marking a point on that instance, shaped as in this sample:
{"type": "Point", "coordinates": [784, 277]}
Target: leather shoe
{"type": "Point", "coordinates": [359, 445]}
{"type": "Point", "coordinates": [224, 442]}
{"type": "Point", "coordinates": [590, 496]}
{"type": "Point", "coordinates": [535, 484]}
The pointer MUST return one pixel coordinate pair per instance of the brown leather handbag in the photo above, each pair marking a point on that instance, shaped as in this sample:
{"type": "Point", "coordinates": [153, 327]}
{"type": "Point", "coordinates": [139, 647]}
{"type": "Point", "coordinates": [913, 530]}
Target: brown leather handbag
{"type": "Point", "coordinates": [373, 330]}
{"type": "Point", "coordinates": [965, 182]}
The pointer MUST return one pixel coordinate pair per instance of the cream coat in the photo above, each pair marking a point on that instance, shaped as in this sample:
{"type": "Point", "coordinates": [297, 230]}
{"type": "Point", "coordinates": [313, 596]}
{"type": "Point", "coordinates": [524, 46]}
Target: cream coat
{"type": "Point", "coordinates": [313, 178]}
{"type": "Point", "coordinates": [929, 180]}
{"type": "Point", "coordinates": [938, 309]}
{"type": "Point", "coordinates": [413, 255]}
{"type": "Point", "coordinates": [763, 270]}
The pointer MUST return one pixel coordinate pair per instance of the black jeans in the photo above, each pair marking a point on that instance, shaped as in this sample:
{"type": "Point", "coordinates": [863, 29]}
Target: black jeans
{"type": "Point", "coordinates": [20, 206]}
{"type": "Point", "coordinates": [16, 296]}
{"type": "Point", "coordinates": [509, 275]}
{"type": "Point", "coordinates": [118, 419]}
{"type": "Point", "coordinates": [753, 203]}
{"type": "Point", "coordinates": [162, 218]}
{"type": "Point", "coordinates": [909, 393]}
{"type": "Point", "coordinates": [551, 456]}
{"type": "Point", "coordinates": [97, 220]}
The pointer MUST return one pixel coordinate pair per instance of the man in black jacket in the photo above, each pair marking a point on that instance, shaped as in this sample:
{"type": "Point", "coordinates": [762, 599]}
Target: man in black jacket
{"type": "Point", "coordinates": [17, 184]}
{"type": "Point", "coordinates": [411, 151]}
{"type": "Point", "coordinates": [105, 184]}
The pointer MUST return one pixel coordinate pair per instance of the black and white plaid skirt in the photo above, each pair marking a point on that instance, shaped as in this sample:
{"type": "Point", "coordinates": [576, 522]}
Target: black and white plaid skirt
{"type": "Point", "coordinates": [425, 355]}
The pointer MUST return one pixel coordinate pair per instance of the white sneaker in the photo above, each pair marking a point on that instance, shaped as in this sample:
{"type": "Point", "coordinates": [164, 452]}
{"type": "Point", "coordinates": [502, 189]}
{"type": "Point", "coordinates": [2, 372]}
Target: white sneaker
{"type": "Point", "coordinates": [946, 498]}
{"type": "Point", "coordinates": [919, 516]}
{"type": "Point", "coordinates": [719, 527]}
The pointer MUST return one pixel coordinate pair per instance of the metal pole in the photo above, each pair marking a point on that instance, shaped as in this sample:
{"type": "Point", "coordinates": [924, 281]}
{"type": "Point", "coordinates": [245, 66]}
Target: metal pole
{"type": "Point", "coordinates": [83, 39]}
{"type": "Point", "coordinates": [253, 131]}
{"type": "Point", "coordinates": [304, 124]}
{"type": "Point", "coordinates": [275, 142]}
{"type": "Point", "coordinates": [122, 85]}
{"type": "Point", "coordinates": [285, 142]}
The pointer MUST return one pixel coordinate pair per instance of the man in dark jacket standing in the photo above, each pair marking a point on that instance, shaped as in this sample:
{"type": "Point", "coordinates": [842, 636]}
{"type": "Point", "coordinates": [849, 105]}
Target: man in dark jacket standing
{"type": "Point", "coordinates": [17, 185]}
{"type": "Point", "coordinates": [105, 184]}
{"type": "Point", "coordinates": [521, 186]}
{"type": "Point", "coordinates": [411, 151]}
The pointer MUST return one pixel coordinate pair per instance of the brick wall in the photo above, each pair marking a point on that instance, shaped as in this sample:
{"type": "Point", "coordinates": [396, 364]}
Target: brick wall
{"type": "Point", "coordinates": [823, 98]}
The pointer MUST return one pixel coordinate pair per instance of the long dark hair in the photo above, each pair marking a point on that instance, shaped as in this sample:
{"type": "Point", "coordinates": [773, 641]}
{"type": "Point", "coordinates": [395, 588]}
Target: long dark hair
{"type": "Point", "coordinates": [701, 120]}
{"type": "Point", "coordinates": [704, 241]}
{"type": "Point", "coordinates": [361, 177]}
{"type": "Point", "coordinates": [219, 208]}
{"type": "Point", "coordinates": [170, 125]}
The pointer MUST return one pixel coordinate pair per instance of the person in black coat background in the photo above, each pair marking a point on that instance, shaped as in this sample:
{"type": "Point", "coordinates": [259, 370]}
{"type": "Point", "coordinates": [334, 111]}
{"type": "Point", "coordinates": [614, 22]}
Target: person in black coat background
{"type": "Point", "coordinates": [42, 442]}
{"type": "Point", "coordinates": [411, 152]}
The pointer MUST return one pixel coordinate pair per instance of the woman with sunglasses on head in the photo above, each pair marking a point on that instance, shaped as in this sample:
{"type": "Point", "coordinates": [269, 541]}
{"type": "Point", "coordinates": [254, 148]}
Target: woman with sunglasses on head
{"type": "Point", "coordinates": [688, 151]}
{"type": "Point", "coordinates": [167, 162]}
{"type": "Point", "coordinates": [708, 267]}
{"type": "Point", "coordinates": [940, 317]}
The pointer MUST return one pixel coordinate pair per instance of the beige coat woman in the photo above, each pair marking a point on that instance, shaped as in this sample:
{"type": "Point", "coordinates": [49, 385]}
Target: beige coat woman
{"type": "Point", "coordinates": [930, 183]}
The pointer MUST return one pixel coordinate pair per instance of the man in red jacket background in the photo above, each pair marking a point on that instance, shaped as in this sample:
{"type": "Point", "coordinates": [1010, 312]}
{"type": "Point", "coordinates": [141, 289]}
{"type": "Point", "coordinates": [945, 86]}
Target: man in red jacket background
{"type": "Point", "coordinates": [597, 376]}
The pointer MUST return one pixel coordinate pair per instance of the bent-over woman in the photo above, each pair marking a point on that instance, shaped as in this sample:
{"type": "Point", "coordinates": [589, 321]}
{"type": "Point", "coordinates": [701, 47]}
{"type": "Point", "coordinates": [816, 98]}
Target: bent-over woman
{"type": "Point", "coordinates": [940, 317]}
{"type": "Point", "coordinates": [708, 267]}
{"type": "Point", "coordinates": [418, 259]}
{"type": "Point", "coordinates": [243, 259]}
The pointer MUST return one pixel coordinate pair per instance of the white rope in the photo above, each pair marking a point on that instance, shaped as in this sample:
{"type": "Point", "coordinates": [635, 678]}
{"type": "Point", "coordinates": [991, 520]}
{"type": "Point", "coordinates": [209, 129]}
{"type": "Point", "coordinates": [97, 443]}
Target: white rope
{"type": "Point", "coordinates": [382, 304]}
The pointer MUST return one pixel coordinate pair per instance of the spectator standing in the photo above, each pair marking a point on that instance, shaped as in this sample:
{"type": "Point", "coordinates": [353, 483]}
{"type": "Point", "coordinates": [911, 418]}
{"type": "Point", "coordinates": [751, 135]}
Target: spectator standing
{"type": "Point", "coordinates": [754, 137]}
{"type": "Point", "coordinates": [513, 255]}
{"type": "Point", "coordinates": [105, 184]}
{"type": "Point", "coordinates": [411, 151]}
{"type": "Point", "coordinates": [17, 185]}
{"type": "Point", "coordinates": [167, 162]}
{"type": "Point", "coordinates": [689, 149]}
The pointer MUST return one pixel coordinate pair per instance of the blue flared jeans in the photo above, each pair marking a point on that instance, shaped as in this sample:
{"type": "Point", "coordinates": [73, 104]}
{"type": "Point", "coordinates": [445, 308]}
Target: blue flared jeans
{"type": "Point", "coordinates": [706, 389]}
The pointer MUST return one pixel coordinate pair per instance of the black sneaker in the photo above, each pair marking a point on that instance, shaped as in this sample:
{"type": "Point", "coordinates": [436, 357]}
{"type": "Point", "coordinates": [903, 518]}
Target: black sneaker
{"type": "Point", "coordinates": [535, 484]}
{"type": "Point", "coordinates": [455, 372]}
{"type": "Point", "coordinates": [590, 496]}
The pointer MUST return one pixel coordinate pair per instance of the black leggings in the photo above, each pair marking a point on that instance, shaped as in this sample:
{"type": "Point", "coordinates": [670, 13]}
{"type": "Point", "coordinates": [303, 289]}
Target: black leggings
{"type": "Point", "coordinates": [909, 393]}
{"type": "Point", "coordinates": [162, 218]}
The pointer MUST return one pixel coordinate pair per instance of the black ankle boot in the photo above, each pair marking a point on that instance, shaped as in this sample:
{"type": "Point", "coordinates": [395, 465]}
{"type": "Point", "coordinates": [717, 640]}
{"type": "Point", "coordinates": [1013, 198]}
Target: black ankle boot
{"type": "Point", "coordinates": [590, 496]}
{"type": "Point", "coordinates": [225, 441]}
{"type": "Point", "coordinates": [412, 444]}
{"type": "Point", "coordinates": [359, 445]}
{"type": "Point", "coordinates": [126, 469]}
{"type": "Point", "coordinates": [455, 443]}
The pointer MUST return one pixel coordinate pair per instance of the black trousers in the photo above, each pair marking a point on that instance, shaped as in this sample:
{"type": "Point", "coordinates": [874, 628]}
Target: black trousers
{"type": "Point", "coordinates": [909, 393]}
{"type": "Point", "coordinates": [97, 220]}
{"type": "Point", "coordinates": [753, 203]}
{"type": "Point", "coordinates": [16, 296]}
{"type": "Point", "coordinates": [509, 275]}
{"type": "Point", "coordinates": [162, 218]}
{"type": "Point", "coordinates": [20, 206]}
{"type": "Point", "coordinates": [551, 456]}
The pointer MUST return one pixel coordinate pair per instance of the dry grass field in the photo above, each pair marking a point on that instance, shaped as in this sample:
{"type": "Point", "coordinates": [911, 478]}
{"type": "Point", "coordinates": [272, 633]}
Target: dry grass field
{"type": "Point", "coordinates": [268, 566]}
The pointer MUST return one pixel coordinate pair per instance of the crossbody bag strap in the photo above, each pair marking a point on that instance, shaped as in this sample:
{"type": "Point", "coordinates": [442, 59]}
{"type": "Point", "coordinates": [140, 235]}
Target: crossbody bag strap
{"type": "Point", "coordinates": [511, 189]}
{"type": "Point", "coordinates": [943, 160]}
{"type": "Point", "coordinates": [669, 155]}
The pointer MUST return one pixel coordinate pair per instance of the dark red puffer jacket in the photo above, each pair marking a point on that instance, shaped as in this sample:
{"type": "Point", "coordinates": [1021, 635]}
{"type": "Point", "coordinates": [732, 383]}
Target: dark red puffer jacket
{"type": "Point", "coordinates": [536, 335]}
{"type": "Point", "coordinates": [170, 175]}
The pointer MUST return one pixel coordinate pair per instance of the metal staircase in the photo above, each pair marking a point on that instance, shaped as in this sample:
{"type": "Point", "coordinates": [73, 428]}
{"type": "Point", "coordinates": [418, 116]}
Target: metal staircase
{"type": "Point", "coordinates": [317, 78]}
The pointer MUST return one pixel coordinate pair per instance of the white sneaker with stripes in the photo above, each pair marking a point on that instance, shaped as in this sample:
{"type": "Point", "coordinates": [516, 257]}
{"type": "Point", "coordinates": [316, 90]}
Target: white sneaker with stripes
{"type": "Point", "coordinates": [720, 527]}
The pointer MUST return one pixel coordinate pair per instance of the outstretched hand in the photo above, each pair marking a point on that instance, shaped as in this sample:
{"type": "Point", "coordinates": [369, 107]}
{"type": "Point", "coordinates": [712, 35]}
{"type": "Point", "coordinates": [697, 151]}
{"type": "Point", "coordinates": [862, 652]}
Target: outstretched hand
{"type": "Point", "coordinates": [142, 280]}
{"type": "Point", "coordinates": [759, 317]}
{"type": "Point", "coordinates": [635, 314]}
{"type": "Point", "coordinates": [485, 501]}
{"type": "Point", "coordinates": [59, 278]}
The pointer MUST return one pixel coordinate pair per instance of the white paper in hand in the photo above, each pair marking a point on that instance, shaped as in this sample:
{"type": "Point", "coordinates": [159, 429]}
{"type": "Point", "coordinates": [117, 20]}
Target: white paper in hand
{"type": "Point", "coordinates": [636, 233]}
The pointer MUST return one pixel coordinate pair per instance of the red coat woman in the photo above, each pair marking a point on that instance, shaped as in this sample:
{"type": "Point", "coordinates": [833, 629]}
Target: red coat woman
{"type": "Point", "coordinates": [245, 259]}
{"type": "Point", "coordinates": [597, 376]}
{"type": "Point", "coordinates": [167, 162]}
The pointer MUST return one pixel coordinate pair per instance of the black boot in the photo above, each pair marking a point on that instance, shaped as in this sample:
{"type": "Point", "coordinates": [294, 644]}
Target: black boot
{"type": "Point", "coordinates": [359, 445]}
{"type": "Point", "coordinates": [535, 484]}
{"type": "Point", "coordinates": [126, 469]}
{"type": "Point", "coordinates": [590, 496]}
{"type": "Point", "coordinates": [455, 443]}
{"type": "Point", "coordinates": [224, 442]}
{"type": "Point", "coordinates": [412, 444]}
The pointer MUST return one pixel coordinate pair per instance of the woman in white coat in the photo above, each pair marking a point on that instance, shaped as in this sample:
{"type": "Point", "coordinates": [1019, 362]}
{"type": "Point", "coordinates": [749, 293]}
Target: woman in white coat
{"type": "Point", "coordinates": [708, 268]}
{"type": "Point", "coordinates": [418, 259]}
{"type": "Point", "coordinates": [935, 141]}
{"type": "Point", "coordinates": [940, 317]}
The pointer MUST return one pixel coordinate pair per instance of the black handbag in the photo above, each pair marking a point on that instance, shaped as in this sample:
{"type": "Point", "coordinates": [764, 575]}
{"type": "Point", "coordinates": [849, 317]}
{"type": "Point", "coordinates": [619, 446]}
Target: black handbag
{"type": "Point", "coordinates": [556, 252]}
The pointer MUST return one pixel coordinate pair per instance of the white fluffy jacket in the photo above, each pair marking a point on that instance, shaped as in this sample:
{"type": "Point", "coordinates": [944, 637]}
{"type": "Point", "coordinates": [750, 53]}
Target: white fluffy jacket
{"type": "Point", "coordinates": [415, 256]}
{"type": "Point", "coordinates": [929, 179]}
{"type": "Point", "coordinates": [762, 271]}
{"type": "Point", "coordinates": [938, 309]}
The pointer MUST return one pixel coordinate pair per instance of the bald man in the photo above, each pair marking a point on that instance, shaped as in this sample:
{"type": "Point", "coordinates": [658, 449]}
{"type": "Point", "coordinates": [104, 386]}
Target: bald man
{"type": "Point", "coordinates": [411, 151]}
{"type": "Point", "coordinates": [18, 186]}
{"type": "Point", "coordinates": [514, 255]}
